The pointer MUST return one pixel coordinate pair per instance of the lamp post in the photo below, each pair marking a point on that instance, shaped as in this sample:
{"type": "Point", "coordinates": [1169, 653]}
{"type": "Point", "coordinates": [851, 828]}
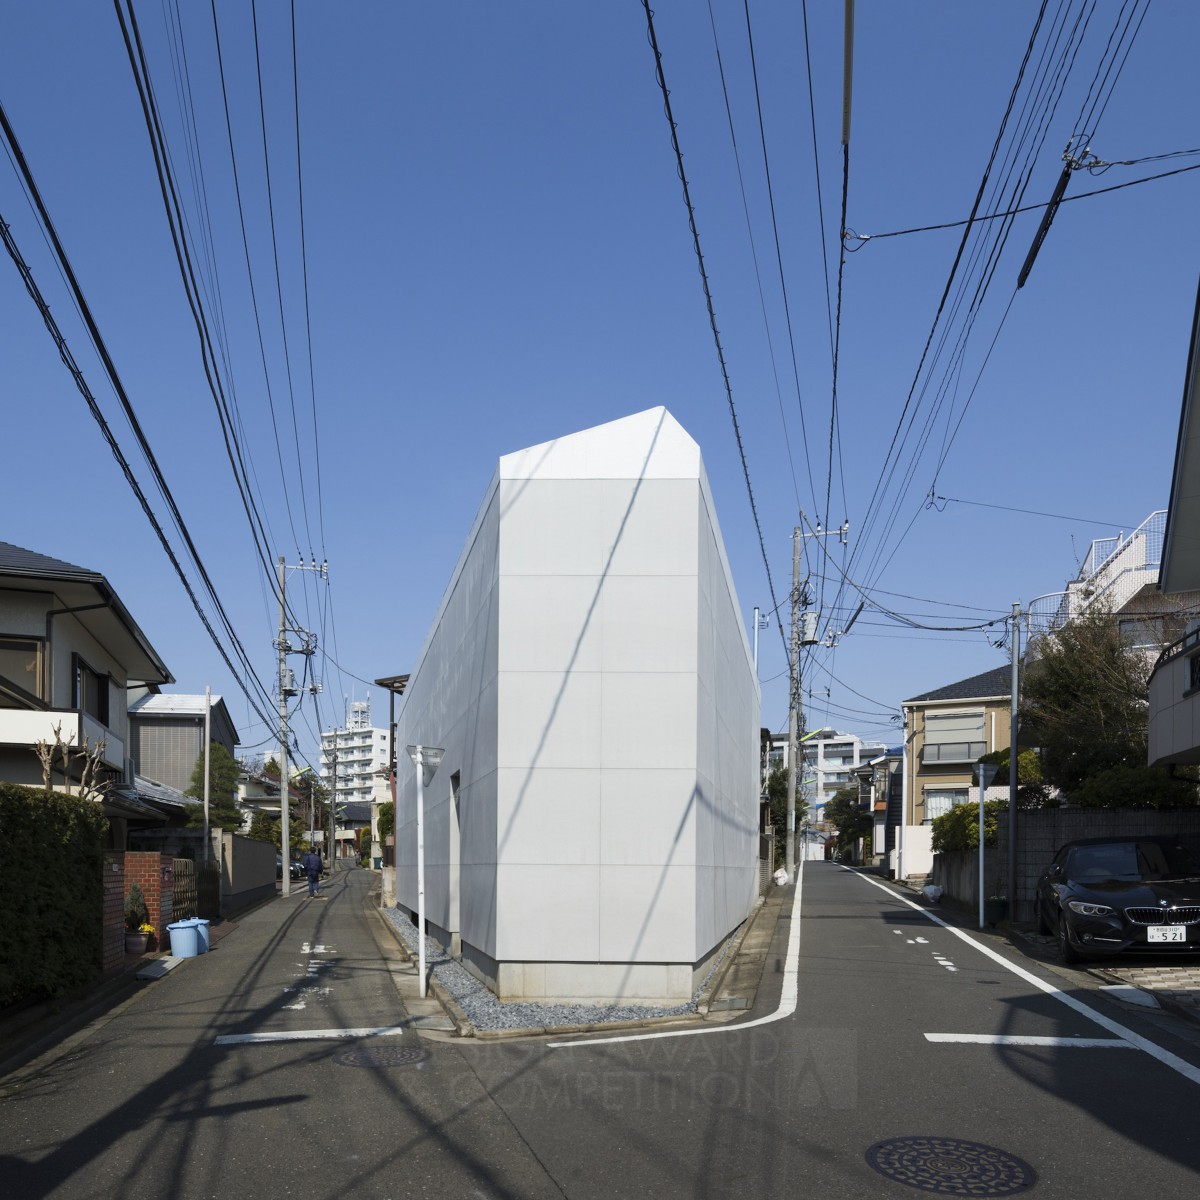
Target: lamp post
{"type": "Point", "coordinates": [987, 772]}
{"type": "Point", "coordinates": [426, 759]}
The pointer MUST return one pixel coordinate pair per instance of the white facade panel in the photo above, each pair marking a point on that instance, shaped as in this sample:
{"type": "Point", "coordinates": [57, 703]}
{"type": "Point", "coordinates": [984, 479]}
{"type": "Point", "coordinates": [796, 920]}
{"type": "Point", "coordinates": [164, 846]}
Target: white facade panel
{"type": "Point", "coordinates": [660, 804]}
{"type": "Point", "coordinates": [646, 912]}
{"type": "Point", "coordinates": [548, 913]}
{"type": "Point", "coordinates": [549, 814]}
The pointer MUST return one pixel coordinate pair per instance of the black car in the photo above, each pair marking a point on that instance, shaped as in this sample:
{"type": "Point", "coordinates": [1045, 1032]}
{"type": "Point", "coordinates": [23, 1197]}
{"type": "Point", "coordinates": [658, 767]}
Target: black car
{"type": "Point", "coordinates": [1107, 895]}
{"type": "Point", "coordinates": [295, 869]}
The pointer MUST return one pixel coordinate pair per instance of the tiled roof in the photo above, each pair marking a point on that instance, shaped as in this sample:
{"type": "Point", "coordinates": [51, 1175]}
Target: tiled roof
{"type": "Point", "coordinates": [153, 791]}
{"type": "Point", "coordinates": [997, 682]}
{"type": "Point", "coordinates": [174, 704]}
{"type": "Point", "coordinates": [16, 560]}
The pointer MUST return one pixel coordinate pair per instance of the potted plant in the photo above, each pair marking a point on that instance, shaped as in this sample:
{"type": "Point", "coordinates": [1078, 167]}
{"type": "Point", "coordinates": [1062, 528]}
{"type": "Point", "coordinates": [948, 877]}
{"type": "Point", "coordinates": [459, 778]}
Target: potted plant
{"type": "Point", "coordinates": [137, 921]}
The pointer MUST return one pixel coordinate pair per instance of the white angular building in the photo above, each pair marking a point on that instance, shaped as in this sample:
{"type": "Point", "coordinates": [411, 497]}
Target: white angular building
{"type": "Point", "coordinates": [591, 833]}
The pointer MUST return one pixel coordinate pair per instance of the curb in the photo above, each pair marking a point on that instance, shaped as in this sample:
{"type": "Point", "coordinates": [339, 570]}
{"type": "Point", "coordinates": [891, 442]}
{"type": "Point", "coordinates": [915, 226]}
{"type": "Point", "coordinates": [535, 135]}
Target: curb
{"type": "Point", "coordinates": [705, 998]}
{"type": "Point", "coordinates": [462, 1024]}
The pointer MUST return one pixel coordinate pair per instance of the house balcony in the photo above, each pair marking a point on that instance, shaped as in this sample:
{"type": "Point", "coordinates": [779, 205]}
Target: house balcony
{"type": "Point", "coordinates": [1175, 704]}
{"type": "Point", "coordinates": [27, 727]}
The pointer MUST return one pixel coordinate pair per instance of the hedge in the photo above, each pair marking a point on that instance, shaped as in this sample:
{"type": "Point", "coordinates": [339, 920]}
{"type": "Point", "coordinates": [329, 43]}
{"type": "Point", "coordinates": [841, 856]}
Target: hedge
{"type": "Point", "coordinates": [51, 884]}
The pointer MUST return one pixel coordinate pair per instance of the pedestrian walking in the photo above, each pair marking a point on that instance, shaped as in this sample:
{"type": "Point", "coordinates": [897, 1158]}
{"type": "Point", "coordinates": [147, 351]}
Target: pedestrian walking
{"type": "Point", "coordinates": [312, 868]}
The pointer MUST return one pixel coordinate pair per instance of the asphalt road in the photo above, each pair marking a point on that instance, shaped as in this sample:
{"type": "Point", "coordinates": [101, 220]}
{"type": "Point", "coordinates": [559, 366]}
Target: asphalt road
{"type": "Point", "coordinates": [784, 1100]}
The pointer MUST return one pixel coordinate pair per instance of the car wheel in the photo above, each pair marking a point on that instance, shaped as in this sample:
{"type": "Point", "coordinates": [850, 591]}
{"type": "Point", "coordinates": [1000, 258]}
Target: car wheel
{"type": "Point", "coordinates": [1043, 926]}
{"type": "Point", "coordinates": [1065, 946]}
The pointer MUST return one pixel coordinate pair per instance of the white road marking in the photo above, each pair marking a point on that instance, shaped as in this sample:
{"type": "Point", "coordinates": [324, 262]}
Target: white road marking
{"type": "Point", "coordinates": [788, 999]}
{"type": "Point", "coordinates": [1173, 1061]}
{"type": "Point", "coordinates": [304, 1035]}
{"type": "Point", "coordinates": [1016, 1039]}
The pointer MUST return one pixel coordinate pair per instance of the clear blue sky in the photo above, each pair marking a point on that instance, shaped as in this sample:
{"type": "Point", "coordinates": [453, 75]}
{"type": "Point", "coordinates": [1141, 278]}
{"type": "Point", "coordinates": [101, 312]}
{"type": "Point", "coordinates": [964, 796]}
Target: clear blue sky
{"type": "Point", "coordinates": [498, 254]}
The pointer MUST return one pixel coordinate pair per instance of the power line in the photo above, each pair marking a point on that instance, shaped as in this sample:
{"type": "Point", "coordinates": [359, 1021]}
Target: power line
{"type": "Point", "coordinates": [171, 203]}
{"type": "Point", "coordinates": [762, 300]}
{"type": "Point", "coordinates": [708, 298]}
{"type": "Point", "coordinates": [71, 365]}
{"type": "Point", "coordinates": [934, 499]}
{"type": "Point", "coordinates": [1024, 208]}
{"type": "Point", "coordinates": [287, 359]}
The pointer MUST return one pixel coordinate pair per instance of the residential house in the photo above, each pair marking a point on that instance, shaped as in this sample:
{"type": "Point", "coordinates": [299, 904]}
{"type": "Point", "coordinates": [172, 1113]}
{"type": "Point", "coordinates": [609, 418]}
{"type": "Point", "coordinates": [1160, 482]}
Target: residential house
{"type": "Point", "coordinates": [1175, 682]}
{"type": "Point", "coordinates": [592, 830]}
{"type": "Point", "coordinates": [880, 783]}
{"type": "Point", "coordinates": [348, 820]}
{"type": "Point", "coordinates": [69, 653]}
{"type": "Point", "coordinates": [166, 735]}
{"type": "Point", "coordinates": [946, 731]}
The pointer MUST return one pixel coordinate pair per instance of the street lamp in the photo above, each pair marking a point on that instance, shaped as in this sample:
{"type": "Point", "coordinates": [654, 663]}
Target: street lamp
{"type": "Point", "coordinates": [426, 759]}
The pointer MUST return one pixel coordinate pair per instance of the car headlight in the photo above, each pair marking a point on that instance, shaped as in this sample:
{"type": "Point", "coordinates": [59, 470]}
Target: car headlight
{"type": "Point", "coordinates": [1089, 910]}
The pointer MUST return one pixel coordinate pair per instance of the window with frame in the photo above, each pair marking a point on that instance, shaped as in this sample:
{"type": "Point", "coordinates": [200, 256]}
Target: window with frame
{"type": "Point", "coordinates": [940, 801]}
{"type": "Point", "coordinates": [954, 737]}
{"type": "Point", "coordinates": [91, 691]}
{"type": "Point", "coordinates": [1141, 633]}
{"type": "Point", "coordinates": [1194, 673]}
{"type": "Point", "coordinates": [21, 664]}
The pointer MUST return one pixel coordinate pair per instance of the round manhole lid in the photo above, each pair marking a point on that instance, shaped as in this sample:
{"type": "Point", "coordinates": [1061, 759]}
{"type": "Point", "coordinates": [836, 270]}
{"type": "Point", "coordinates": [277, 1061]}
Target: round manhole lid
{"type": "Point", "coordinates": [949, 1167]}
{"type": "Point", "coordinates": [381, 1056]}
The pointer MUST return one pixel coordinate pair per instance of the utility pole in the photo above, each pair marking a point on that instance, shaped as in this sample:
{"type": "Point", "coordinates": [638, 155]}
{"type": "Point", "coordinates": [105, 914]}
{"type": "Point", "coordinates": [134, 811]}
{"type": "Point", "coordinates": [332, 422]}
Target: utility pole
{"type": "Point", "coordinates": [1012, 763]}
{"type": "Point", "coordinates": [207, 756]}
{"type": "Point", "coordinates": [284, 790]}
{"type": "Point", "coordinates": [804, 633]}
{"type": "Point", "coordinates": [308, 645]}
{"type": "Point", "coordinates": [793, 706]}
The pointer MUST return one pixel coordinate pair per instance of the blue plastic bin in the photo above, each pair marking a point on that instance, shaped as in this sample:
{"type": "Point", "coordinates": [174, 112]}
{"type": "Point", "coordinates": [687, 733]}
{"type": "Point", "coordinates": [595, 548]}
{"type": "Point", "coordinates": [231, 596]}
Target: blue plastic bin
{"type": "Point", "coordinates": [202, 933]}
{"type": "Point", "coordinates": [185, 939]}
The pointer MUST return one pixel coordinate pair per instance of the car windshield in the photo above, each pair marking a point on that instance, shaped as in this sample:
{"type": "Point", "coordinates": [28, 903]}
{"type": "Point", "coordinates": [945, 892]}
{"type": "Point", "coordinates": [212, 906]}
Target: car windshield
{"type": "Point", "coordinates": [1131, 861]}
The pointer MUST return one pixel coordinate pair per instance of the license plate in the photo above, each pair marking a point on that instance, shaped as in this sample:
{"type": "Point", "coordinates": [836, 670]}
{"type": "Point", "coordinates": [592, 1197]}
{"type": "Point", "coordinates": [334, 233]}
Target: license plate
{"type": "Point", "coordinates": [1166, 933]}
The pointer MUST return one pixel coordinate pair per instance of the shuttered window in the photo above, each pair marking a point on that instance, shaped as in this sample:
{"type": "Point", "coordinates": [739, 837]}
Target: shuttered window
{"type": "Point", "coordinates": [954, 737]}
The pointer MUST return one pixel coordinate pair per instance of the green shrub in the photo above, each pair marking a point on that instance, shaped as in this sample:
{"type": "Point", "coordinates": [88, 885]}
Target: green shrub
{"type": "Point", "coordinates": [1135, 787]}
{"type": "Point", "coordinates": [959, 828]}
{"type": "Point", "coordinates": [51, 918]}
{"type": "Point", "coordinates": [136, 912]}
{"type": "Point", "coordinates": [387, 821]}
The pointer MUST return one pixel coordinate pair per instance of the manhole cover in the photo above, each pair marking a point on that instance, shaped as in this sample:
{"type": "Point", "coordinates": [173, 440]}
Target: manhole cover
{"type": "Point", "coordinates": [948, 1167]}
{"type": "Point", "coordinates": [381, 1056]}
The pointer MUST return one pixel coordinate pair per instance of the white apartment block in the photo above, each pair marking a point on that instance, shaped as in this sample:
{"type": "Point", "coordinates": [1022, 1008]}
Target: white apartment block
{"type": "Point", "coordinates": [828, 757]}
{"type": "Point", "coordinates": [352, 757]}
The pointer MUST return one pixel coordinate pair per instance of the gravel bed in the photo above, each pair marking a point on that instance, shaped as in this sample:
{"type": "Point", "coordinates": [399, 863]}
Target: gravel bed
{"type": "Point", "coordinates": [485, 1012]}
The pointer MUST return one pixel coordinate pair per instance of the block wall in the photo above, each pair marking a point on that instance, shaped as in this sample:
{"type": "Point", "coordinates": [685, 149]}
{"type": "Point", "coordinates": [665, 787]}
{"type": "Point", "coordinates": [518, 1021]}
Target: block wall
{"type": "Point", "coordinates": [112, 954]}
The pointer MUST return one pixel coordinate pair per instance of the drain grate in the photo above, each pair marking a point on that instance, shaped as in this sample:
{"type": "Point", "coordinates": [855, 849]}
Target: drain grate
{"type": "Point", "coordinates": [948, 1167]}
{"type": "Point", "coordinates": [381, 1056]}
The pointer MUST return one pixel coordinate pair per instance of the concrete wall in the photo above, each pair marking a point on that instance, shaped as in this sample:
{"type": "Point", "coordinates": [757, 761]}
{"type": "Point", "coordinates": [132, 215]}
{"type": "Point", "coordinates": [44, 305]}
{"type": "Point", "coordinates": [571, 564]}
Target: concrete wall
{"type": "Point", "coordinates": [247, 872]}
{"type": "Point", "coordinates": [589, 679]}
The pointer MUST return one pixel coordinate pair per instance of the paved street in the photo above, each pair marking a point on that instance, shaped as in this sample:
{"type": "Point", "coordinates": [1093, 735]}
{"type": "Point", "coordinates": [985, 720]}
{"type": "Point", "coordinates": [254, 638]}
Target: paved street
{"type": "Point", "coordinates": [893, 1036]}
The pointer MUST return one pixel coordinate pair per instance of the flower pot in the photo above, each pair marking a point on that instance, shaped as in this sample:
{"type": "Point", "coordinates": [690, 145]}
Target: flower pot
{"type": "Point", "coordinates": [995, 909]}
{"type": "Point", "coordinates": [135, 943]}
